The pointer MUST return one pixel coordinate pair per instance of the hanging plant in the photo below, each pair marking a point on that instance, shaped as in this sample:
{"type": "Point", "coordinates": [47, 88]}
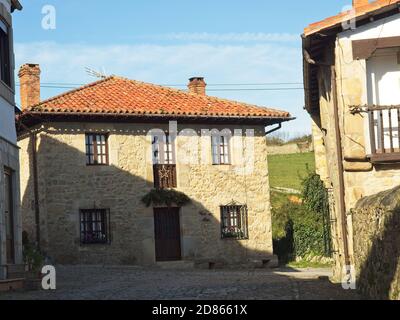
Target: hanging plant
{"type": "Point", "coordinates": [168, 197]}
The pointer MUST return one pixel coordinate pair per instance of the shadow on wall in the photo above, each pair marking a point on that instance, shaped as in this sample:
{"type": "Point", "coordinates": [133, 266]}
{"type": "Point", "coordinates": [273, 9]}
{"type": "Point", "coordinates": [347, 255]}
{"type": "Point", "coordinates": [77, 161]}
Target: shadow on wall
{"type": "Point", "coordinates": [376, 222]}
{"type": "Point", "coordinates": [66, 186]}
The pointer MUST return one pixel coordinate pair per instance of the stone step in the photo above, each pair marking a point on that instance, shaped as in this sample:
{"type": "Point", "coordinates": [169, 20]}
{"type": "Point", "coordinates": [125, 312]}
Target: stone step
{"type": "Point", "coordinates": [180, 265]}
{"type": "Point", "coordinates": [15, 271]}
{"type": "Point", "coordinates": [11, 284]}
{"type": "Point", "coordinates": [15, 268]}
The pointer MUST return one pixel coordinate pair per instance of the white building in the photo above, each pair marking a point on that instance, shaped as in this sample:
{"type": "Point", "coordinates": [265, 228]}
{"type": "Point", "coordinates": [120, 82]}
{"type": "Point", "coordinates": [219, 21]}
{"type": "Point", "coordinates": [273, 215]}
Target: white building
{"type": "Point", "coordinates": [10, 219]}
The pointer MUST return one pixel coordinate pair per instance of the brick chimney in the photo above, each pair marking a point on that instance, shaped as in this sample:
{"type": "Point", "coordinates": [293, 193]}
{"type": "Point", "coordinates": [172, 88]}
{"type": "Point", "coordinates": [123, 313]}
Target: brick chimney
{"type": "Point", "coordinates": [197, 85]}
{"type": "Point", "coordinates": [29, 78]}
{"type": "Point", "coordinates": [360, 3]}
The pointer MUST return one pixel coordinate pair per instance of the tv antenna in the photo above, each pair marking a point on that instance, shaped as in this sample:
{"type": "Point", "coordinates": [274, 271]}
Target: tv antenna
{"type": "Point", "coordinates": [93, 73]}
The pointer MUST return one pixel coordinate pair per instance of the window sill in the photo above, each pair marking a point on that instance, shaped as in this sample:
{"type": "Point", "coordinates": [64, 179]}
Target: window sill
{"type": "Point", "coordinates": [235, 239]}
{"type": "Point", "coordinates": [88, 245]}
{"type": "Point", "coordinates": [381, 158]}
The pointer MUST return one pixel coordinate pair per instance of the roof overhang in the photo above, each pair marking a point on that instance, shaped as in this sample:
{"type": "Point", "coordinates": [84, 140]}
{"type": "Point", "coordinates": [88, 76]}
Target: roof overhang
{"type": "Point", "coordinates": [31, 119]}
{"type": "Point", "coordinates": [15, 5]}
{"type": "Point", "coordinates": [334, 25]}
{"type": "Point", "coordinates": [315, 43]}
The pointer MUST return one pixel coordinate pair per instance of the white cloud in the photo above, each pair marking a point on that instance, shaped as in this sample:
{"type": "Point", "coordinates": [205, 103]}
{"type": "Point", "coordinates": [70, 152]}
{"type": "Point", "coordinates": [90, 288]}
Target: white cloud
{"type": "Point", "coordinates": [174, 64]}
{"type": "Point", "coordinates": [228, 37]}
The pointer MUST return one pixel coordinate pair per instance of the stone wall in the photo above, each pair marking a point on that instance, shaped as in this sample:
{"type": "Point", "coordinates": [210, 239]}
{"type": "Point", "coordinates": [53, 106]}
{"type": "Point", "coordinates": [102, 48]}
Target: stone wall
{"type": "Point", "coordinates": [67, 185]}
{"type": "Point", "coordinates": [376, 222]}
{"type": "Point", "coordinates": [291, 148]}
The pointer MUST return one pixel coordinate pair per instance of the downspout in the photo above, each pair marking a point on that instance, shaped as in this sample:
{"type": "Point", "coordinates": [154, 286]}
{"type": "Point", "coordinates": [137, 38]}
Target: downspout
{"type": "Point", "coordinates": [35, 187]}
{"type": "Point", "coordinates": [275, 129]}
{"type": "Point", "coordinates": [340, 166]}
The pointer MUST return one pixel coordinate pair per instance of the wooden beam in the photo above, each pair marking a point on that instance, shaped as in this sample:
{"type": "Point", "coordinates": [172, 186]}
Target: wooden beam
{"type": "Point", "coordinates": [364, 49]}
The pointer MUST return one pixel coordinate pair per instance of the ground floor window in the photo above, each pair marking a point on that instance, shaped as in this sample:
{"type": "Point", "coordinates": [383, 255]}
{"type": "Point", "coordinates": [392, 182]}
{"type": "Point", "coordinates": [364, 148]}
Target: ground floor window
{"type": "Point", "coordinates": [234, 222]}
{"type": "Point", "coordinates": [95, 226]}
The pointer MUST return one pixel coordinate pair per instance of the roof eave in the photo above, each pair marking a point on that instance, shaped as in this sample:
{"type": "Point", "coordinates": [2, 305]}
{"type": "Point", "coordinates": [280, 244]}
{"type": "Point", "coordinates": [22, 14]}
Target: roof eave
{"type": "Point", "coordinates": [390, 9]}
{"type": "Point", "coordinates": [30, 119]}
{"type": "Point", "coordinates": [15, 5]}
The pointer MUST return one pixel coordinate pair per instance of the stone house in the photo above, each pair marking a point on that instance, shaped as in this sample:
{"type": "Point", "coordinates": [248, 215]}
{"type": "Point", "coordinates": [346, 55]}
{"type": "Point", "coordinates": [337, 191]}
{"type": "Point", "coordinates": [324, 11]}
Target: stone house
{"type": "Point", "coordinates": [10, 218]}
{"type": "Point", "coordinates": [90, 156]}
{"type": "Point", "coordinates": [352, 92]}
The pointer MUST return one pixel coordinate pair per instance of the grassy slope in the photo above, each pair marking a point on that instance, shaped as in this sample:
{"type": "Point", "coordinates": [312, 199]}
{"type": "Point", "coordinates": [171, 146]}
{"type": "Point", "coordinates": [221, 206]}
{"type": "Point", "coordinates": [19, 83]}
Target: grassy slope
{"type": "Point", "coordinates": [286, 171]}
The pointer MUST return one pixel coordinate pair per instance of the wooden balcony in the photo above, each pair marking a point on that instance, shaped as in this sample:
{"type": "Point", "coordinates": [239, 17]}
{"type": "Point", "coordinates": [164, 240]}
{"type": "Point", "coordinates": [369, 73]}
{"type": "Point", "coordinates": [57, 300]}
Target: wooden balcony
{"type": "Point", "coordinates": [384, 125]}
{"type": "Point", "coordinates": [164, 176]}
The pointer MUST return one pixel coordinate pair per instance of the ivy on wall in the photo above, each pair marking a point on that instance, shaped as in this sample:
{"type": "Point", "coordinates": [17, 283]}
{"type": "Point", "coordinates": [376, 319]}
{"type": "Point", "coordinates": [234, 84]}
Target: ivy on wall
{"type": "Point", "coordinates": [167, 197]}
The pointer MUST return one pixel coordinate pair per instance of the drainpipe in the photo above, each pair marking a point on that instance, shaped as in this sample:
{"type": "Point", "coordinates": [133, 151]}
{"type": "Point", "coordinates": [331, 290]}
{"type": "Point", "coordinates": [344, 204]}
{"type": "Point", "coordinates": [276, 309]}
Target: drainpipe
{"type": "Point", "coordinates": [340, 166]}
{"type": "Point", "coordinates": [275, 129]}
{"type": "Point", "coordinates": [35, 187]}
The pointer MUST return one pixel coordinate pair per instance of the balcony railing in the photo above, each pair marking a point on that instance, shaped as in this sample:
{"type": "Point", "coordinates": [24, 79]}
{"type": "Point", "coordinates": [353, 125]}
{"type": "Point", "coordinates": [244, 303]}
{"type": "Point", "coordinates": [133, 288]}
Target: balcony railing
{"type": "Point", "coordinates": [164, 176]}
{"type": "Point", "coordinates": [384, 125]}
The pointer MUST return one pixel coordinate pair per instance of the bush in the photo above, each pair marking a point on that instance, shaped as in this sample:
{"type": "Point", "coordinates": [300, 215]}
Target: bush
{"type": "Point", "coordinates": [301, 230]}
{"type": "Point", "coordinates": [32, 256]}
{"type": "Point", "coordinates": [308, 232]}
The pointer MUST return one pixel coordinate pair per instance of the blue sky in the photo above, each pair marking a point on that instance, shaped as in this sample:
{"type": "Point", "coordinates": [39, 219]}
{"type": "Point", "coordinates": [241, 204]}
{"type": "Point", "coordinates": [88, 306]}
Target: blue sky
{"type": "Point", "coordinates": [166, 42]}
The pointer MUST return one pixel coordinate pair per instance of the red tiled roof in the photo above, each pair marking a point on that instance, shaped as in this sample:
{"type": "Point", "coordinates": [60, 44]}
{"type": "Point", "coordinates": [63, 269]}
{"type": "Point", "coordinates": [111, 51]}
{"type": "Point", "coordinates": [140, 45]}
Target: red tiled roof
{"type": "Point", "coordinates": [344, 16]}
{"type": "Point", "coordinates": [116, 95]}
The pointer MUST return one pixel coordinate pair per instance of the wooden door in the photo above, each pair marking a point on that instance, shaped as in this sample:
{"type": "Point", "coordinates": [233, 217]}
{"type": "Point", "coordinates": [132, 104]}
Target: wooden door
{"type": "Point", "coordinates": [167, 234]}
{"type": "Point", "coordinates": [9, 216]}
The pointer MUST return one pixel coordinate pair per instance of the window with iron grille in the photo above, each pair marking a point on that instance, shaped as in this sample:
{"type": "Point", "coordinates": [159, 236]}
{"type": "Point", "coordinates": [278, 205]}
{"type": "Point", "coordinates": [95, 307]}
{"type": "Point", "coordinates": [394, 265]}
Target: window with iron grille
{"type": "Point", "coordinates": [96, 149]}
{"type": "Point", "coordinates": [95, 226]}
{"type": "Point", "coordinates": [234, 222]}
{"type": "Point", "coordinates": [221, 149]}
{"type": "Point", "coordinates": [5, 66]}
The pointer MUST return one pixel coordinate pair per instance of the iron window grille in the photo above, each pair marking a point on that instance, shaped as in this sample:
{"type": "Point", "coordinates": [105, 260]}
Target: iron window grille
{"type": "Point", "coordinates": [96, 149]}
{"type": "Point", "coordinates": [234, 222]}
{"type": "Point", "coordinates": [95, 226]}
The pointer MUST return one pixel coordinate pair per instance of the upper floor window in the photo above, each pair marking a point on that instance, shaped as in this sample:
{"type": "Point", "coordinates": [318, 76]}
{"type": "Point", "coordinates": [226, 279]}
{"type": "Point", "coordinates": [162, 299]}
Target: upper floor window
{"type": "Point", "coordinates": [383, 80]}
{"type": "Point", "coordinates": [234, 222]}
{"type": "Point", "coordinates": [163, 148]}
{"type": "Point", "coordinates": [221, 149]}
{"type": "Point", "coordinates": [95, 226]}
{"type": "Point", "coordinates": [96, 149]}
{"type": "Point", "coordinates": [164, 168]}
{"type": "Point", "coordinates": [5, 67]}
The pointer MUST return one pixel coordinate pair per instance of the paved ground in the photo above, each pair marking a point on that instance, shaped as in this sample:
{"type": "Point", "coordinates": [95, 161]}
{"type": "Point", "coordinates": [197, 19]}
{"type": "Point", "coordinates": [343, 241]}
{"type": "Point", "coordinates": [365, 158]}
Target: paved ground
{"type": "Point", "coordinates": [105, 283]}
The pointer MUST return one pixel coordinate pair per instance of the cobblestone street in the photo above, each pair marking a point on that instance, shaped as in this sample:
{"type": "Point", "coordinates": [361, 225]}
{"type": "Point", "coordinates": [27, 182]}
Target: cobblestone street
{"type": "Point", "coordinates": [108, 283]}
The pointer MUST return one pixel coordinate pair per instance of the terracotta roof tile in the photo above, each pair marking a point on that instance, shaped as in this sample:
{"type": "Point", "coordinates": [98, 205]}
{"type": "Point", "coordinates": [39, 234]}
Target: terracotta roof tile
{"type": "Point", "coordinates": [344, 16]}
{"type": "Point", "coordinates": [118, 95]}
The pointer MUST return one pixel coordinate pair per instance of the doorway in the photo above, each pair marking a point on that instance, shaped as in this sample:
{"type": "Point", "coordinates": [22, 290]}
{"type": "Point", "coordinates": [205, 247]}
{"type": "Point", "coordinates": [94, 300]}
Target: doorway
{"type": "Point", "coordinates": [167, 231]}
{"type": "Point", "coordinates": [9, 215]}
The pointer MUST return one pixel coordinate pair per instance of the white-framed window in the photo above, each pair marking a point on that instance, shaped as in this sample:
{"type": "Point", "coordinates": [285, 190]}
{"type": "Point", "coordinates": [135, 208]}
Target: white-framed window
{"type": "Point", "coordinates": [163, 149]}
{"type": "Point", "coordinates": [221, 149]}
{"type": "Point", "coordinates": [383, 91]}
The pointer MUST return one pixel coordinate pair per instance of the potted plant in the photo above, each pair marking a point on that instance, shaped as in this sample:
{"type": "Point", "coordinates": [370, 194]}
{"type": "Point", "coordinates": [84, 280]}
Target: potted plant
{"type": "Point", "coordinates": [34, 261]}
